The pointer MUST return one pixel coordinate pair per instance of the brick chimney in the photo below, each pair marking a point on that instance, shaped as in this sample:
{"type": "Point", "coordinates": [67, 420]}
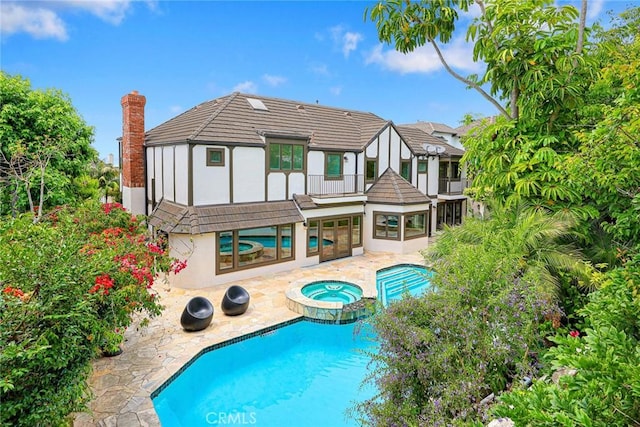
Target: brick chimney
{"type": "Point", "coordinates": [133, 155]}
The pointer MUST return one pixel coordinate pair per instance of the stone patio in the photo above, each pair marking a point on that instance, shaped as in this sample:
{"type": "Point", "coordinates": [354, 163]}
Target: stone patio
{"type": "Point", "coordinates": [122, 385]}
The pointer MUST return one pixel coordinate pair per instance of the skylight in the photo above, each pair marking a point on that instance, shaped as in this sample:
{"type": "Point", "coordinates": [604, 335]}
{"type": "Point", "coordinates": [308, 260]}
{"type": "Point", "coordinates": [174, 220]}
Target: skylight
{"type": "Point", "coordinates": [257, 104]}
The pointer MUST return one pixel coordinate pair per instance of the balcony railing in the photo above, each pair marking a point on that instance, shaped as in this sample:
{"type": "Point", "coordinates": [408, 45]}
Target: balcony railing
{"type": "Point", "coordinates": [452, 185]}
{"type": "Point", "coordinates": [323, 186]}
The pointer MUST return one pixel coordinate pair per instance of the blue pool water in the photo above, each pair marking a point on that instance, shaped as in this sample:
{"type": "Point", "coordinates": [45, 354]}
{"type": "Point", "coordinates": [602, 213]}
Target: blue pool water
{"type": "Point", "coordinates": [333, 291]}
{"type": "Point", "coordinates": [393, 282]}
{"type": "Point", "coordinates": [304, 374]}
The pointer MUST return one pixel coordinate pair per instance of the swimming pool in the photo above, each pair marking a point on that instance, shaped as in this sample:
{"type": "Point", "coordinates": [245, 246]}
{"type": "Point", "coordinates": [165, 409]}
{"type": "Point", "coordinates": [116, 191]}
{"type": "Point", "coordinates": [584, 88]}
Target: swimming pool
{"type": "Point", "coordinates": [393, 282]}
{"type": "Point", "coordinates": [305, 374]}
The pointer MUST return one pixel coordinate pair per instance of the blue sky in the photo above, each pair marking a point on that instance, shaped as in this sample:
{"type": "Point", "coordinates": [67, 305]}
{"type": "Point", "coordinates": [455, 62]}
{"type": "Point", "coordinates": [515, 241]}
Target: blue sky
{"type": "Point", "coordinates": [181, 53]}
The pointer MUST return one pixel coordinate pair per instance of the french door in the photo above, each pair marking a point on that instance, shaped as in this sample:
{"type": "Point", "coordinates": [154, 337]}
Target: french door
{"type": "Point", "coordinates": [336, 238]}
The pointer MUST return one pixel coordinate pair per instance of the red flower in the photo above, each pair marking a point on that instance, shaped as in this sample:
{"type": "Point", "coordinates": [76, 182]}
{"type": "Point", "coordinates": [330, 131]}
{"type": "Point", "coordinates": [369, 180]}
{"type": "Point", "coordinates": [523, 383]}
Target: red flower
{"type": "Point", "coordinates": [108, 207]}
{"type": "Point", "coordinates": [177, 266]}
{"type": "Point", "coordinates": [13, 292]}
{"type": "Point", "coordinates": [103, 282]}
{"type": "Point", "coordinates": [574, 334]}
{"type": "Point", "coordinates": [155, 248]}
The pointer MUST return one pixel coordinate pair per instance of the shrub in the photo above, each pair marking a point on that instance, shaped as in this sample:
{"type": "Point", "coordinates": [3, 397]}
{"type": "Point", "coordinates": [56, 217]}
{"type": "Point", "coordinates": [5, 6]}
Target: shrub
{"type": "Point", "coordinates": [69, 284]}
{"type": "Point", "coordinates": [605, 390]}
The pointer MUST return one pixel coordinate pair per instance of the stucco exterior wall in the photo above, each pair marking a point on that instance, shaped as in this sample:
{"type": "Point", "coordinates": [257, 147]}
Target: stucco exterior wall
{"type": "Point", "coordinates": [433, 171]}
{"type": "Point", "coordinates": [180, 173]}
{"type": "Point", "coordinates": [276, 186]}
{"type": "Point", "coordinates": [210, 183]}
{"type": "Point", "coordinates": [248, 174]}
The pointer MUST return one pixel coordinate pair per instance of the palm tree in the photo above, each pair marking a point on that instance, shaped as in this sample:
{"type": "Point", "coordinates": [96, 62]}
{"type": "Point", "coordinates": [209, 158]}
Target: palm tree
{"type": "Point", "coordinates": [108, 177]}
{"type": "Point", "coordinates": [530, 240]}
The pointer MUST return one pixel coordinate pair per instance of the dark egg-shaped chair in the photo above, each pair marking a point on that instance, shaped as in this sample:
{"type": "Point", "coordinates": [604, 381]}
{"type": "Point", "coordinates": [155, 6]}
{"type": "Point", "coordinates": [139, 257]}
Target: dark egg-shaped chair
{"type": "Point", "coordinates": [235, 301]}
{"type": "Point", "coordinates": [197, 314]}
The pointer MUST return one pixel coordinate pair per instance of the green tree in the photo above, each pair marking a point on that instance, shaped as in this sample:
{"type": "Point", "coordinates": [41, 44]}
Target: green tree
{"type": "Point", "coordinates": [44, 146]}
{"type": "Point", "coordinates": [606, 168]}
{"type": "Point", "coordinates": [534, 61]}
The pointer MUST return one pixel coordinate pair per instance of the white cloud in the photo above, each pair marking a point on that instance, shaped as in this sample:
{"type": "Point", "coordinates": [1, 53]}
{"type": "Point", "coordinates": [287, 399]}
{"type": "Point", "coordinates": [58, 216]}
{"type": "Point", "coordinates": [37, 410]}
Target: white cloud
{"type": "Point", "coordinates": [43, 19]}
{"type": "Point", "coordinates": [350, 42]}
{"type": "Point", "coordinates": [336, 90]}
{"type": "Point", "coordinates": [38, 22]}
{"type": "Point", "coordinates": [175, 109]}
{"type": "Point", "coordinates": [112, 11]}
{"type": "Point", "coordinates": [273, 80]}
{"type": "Point", "coordinates": [246, 87]}
{"type": "Point", "coordinates": [594, 8]}
{"type": "Point", "coordinates": [458, 54]}
{"type": "Point", "coordinates": [346, 41]}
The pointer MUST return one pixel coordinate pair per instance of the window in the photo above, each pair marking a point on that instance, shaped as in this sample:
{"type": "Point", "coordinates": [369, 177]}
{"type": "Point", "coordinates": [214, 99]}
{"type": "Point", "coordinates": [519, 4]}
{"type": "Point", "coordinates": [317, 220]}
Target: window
{"type": "Point", "coordinates": [386, 226]}
{"type": "Point", "coordinates": [450, 170]}
{"type": "Point", "coordinates": [298, 157]}
{"type": "Point", "coordinates": [286, 157]}
{"type": "Point", "coordinates": [356, 231]}
{"type": "Point", "coordinates": [215, 156]}
{"type": "Point", "coordinates": [286, 233]}
{"type": "Point", "coordinates": [455, 170]}
{"type": "Point", "coordinates": [415, 225]}
{"type": "Point", "coordinates": [422, 166]}
{"type": "Point", "coordinates": [333, 165]}
{"type": "Point", "coordinates": [251, 247]}
{"type": "Point", "coordinates": [225, 250]}
{"type": "Point", "coordinates": [405, 169]}
{"type": "Point", "coordinates": [312, 238]}
{"type": "Point", "coordinates": [371, 172]}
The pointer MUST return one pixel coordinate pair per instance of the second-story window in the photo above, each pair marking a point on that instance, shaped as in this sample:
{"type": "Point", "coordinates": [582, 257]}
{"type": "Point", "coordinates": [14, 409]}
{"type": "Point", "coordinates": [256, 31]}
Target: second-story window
{"type": "Point", "coordinates": [333, 165]}
{"type": "Point", "coordinates": [422, 166]}
{"type": "Point", "coordinates": [371, 170]}
{"type": "Point", "coordinates": [405, 169]}
{"type": "Point", "coordinates": [286, 157]}
{"type": "Point", "coordinates": [215, 156]}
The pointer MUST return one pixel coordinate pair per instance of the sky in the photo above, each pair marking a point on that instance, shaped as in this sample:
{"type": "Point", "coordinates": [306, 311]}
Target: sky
{"type": "Point", "coordinates": [182, 53]}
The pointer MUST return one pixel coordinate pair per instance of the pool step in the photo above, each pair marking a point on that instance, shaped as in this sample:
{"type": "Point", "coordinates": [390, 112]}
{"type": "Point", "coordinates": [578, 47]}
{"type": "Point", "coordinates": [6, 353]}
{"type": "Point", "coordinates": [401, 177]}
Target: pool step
{"type": "Point", "coordinates": [394, 283]}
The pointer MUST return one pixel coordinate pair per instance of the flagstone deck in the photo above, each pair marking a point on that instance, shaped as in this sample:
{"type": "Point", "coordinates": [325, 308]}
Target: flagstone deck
{"type": "Point", "coordinates": [122, 385]}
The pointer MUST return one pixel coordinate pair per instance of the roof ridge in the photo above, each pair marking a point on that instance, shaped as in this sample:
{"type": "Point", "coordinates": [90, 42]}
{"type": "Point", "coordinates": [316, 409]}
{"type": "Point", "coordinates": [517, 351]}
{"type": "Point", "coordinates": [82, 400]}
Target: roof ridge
{"type": "Point", "coordinates": [213, 115]}
{"type": "Point", "coordinates": [310, 104]}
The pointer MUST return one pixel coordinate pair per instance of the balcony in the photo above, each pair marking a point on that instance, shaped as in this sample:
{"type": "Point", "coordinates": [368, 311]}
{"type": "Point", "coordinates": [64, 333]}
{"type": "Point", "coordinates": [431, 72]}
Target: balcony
{"type": "Point", "coordinates": [345, 185]}
{"type": "Point", "coordinates": [452, 186]}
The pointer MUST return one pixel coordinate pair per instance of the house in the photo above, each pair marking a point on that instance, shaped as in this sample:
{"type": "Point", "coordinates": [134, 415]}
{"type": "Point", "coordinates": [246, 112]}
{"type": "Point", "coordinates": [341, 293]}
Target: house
{"type": "Point", "coordinates": [451, 176]}
{"type": "Point", "coordinates": [248, 185]}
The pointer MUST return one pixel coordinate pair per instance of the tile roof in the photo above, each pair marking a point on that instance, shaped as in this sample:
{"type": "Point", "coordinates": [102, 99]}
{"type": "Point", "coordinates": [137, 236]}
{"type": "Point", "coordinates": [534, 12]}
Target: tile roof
{"type": "Point", "coordinates": [464, 130]}
{"type": "Point", "coordinates": [431, 127]}
{"type": "Point", "coordinates": [304, 202]}
{"type": "Point", "coordinates": [417, 138]}
{"type": "Point", "coordinates": [174, 218]}
{"type": "Point", "coordinates": [391, 188]}
{"type": "Point", "coordinates": [232, 119]}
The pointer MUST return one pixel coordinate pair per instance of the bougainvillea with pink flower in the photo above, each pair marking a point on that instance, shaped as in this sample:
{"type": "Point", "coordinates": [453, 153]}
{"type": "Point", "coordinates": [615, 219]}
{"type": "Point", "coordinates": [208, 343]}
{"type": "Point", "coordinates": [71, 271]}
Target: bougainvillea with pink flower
{"type": "Point", "coordinates": [70, 285]}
